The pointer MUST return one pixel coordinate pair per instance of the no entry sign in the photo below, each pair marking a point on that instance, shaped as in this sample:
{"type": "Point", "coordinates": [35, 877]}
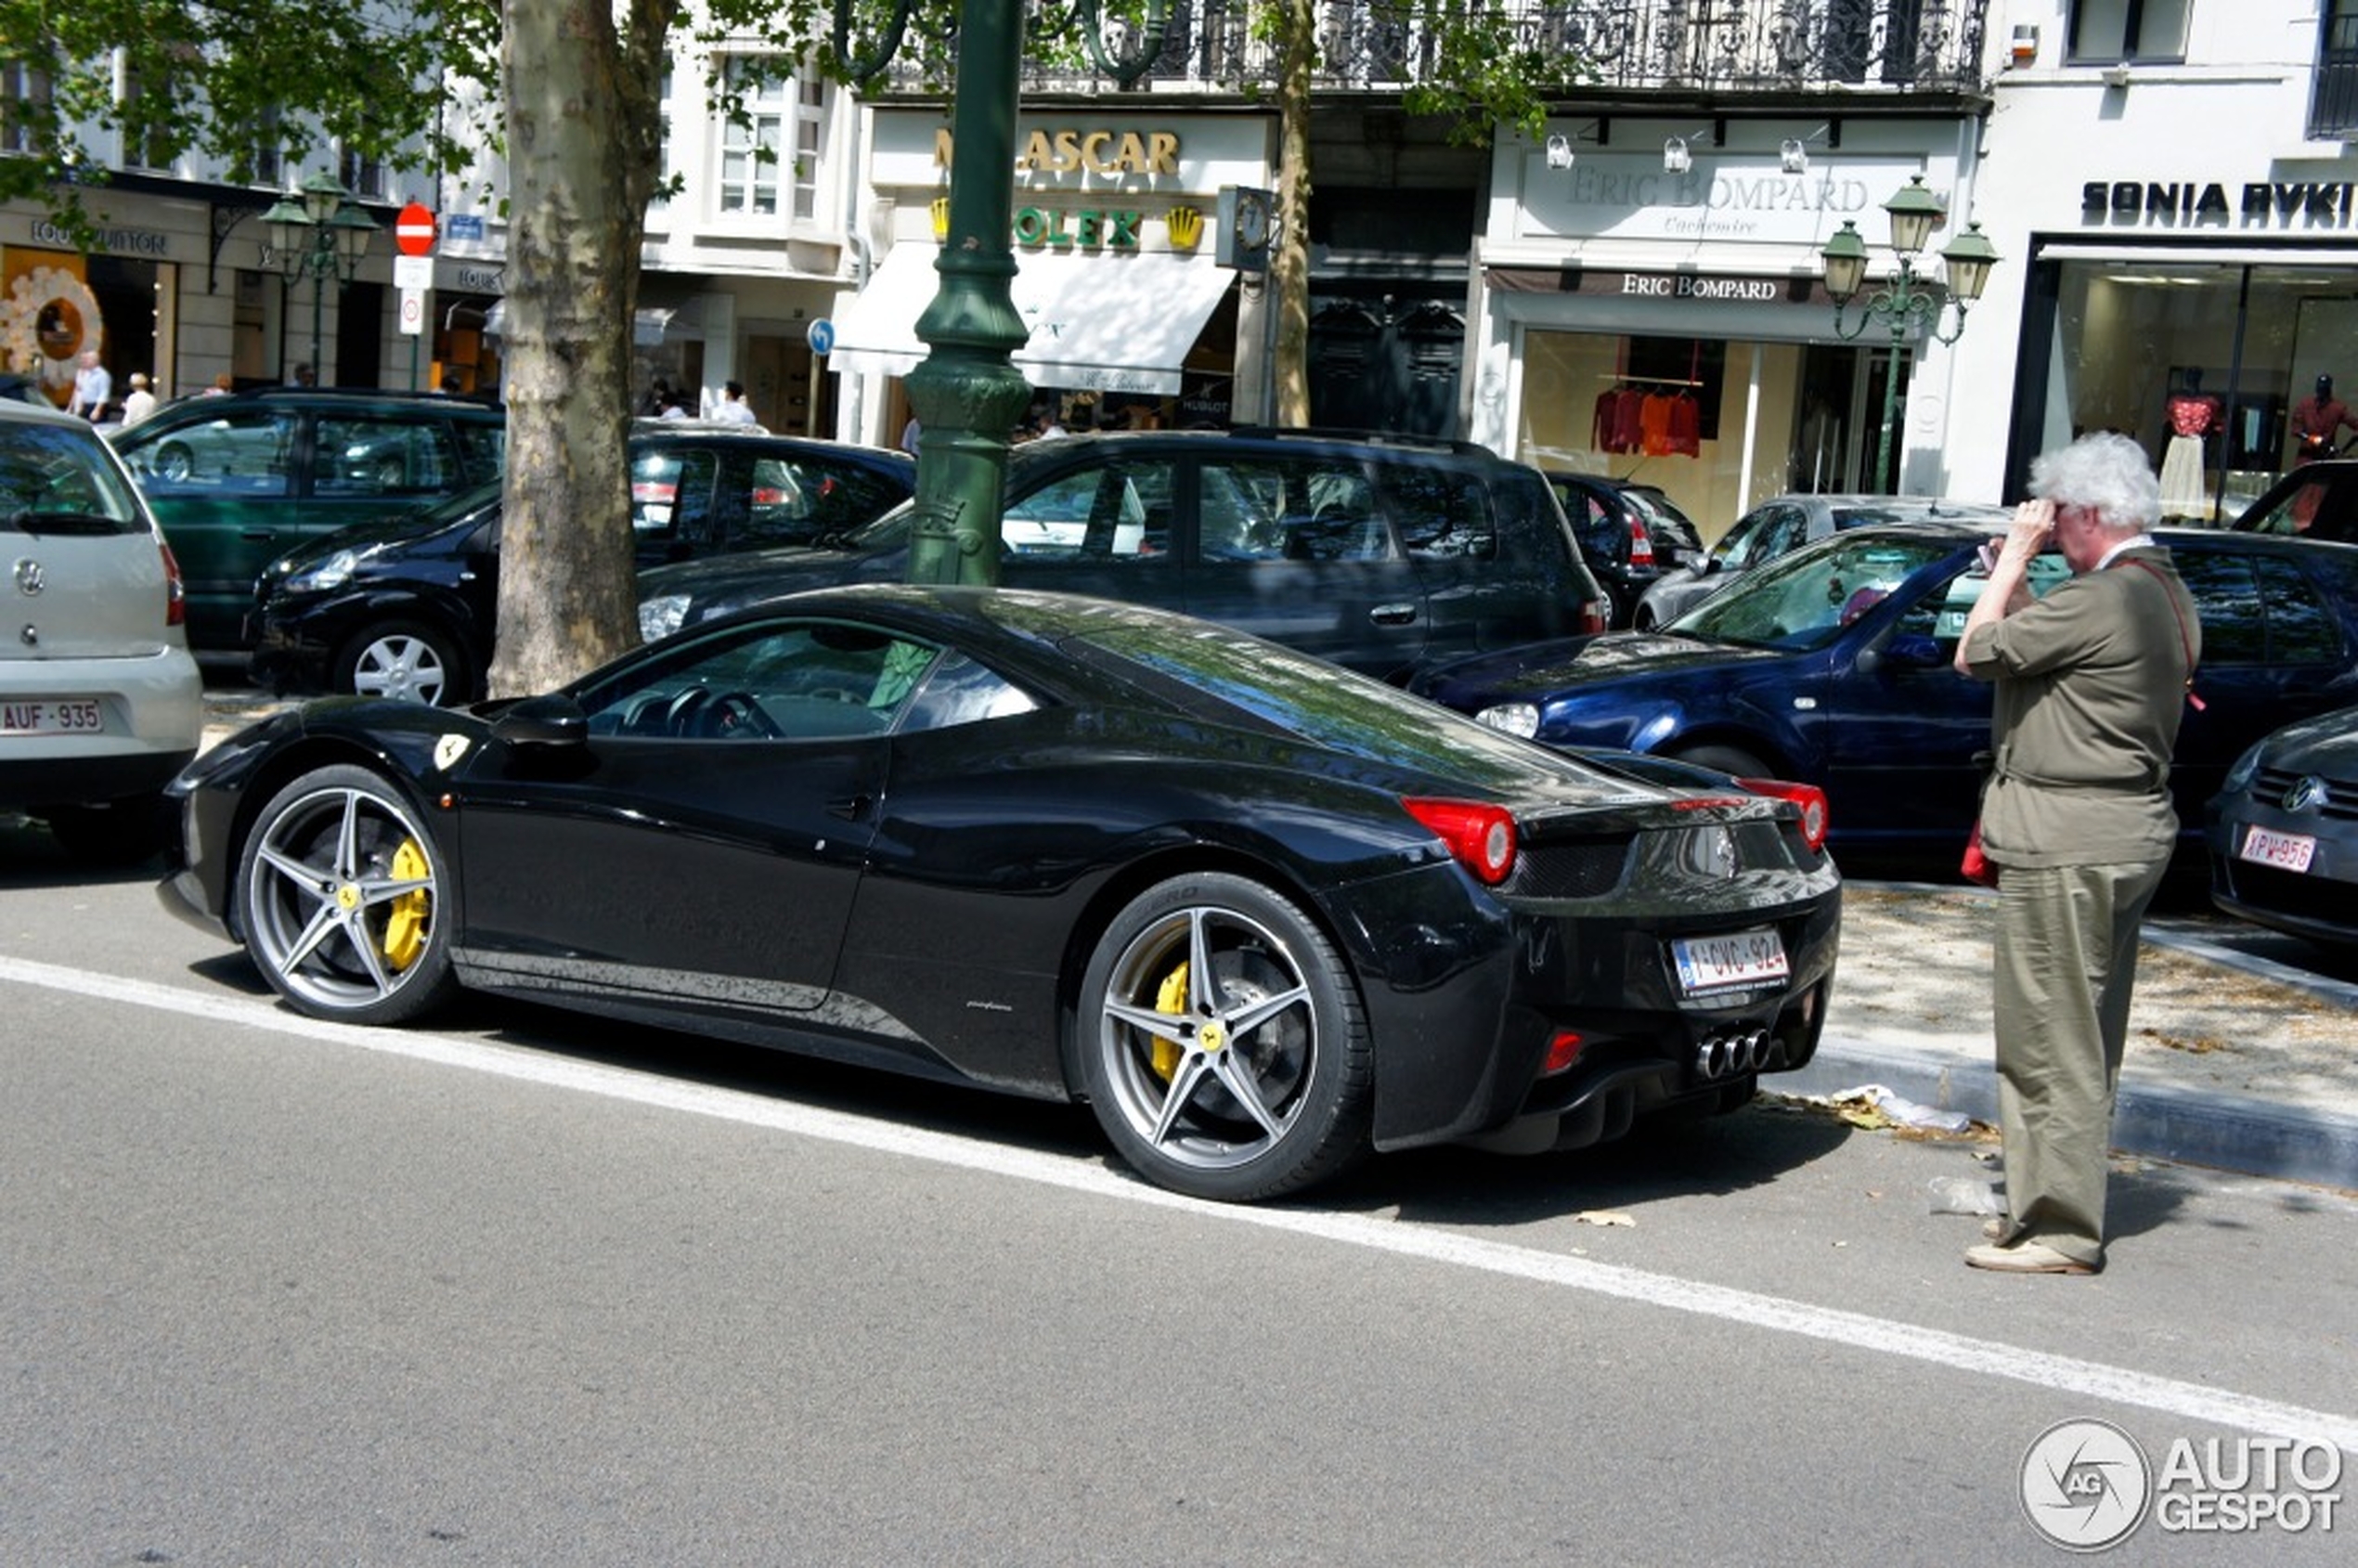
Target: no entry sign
{"type": "Point", "coordinates": [413, 230]}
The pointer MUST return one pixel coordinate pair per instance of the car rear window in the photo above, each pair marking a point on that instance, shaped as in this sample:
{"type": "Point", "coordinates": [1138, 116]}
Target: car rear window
{"type": "Point", "coordinates": [56, 479]}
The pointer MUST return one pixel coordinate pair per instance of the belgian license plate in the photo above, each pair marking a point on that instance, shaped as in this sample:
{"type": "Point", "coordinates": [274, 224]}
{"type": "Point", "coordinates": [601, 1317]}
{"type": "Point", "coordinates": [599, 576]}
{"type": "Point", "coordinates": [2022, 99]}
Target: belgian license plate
{"type": "Point", "coordinates": [2288, 851]}
{"type": "Point", "coordinates": [1739, 958]}
{"type": "Point", "coordinates": [56, 715]}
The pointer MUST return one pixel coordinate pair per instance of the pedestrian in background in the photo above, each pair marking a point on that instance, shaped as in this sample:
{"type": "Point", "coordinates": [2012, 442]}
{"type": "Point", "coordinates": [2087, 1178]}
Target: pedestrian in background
{"type": "Point", "coordinates": [93, 388]}
{"type": "Point", "coordinates": [141, 402]}
{"type": "Point", "coordinates": [2091, 683]}
{"type": "Point", "coordinates": [732, 408]}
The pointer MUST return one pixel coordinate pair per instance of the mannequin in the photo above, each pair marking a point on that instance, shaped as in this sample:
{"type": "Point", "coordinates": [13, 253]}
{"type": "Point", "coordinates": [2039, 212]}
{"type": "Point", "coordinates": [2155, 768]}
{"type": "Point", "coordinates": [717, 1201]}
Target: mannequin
{"type": "Point", "coordinates": [2316, 419]}
{"type": "Point", "coordinates": [2191, 414]}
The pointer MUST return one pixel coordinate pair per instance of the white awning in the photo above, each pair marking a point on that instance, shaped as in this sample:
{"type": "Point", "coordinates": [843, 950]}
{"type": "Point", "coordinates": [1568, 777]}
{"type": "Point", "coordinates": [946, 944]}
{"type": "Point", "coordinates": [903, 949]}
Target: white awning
{"type": "Point", "coordinates": [1120, 321]}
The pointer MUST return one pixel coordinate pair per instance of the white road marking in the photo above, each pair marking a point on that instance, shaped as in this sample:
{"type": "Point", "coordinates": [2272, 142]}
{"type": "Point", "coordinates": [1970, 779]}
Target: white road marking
{"type": "Point", "coordinates": [1983, 1357]}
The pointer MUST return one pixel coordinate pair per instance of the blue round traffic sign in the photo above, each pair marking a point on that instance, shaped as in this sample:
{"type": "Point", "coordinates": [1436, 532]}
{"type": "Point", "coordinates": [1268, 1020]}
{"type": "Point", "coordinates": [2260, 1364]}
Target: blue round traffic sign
{"type": "Point", "coordinates": [821, 336]}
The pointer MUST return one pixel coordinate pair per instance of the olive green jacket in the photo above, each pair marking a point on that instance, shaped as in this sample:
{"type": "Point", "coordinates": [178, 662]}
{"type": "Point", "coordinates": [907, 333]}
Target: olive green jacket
{"type": "Point", "coordinates": [2091, 681]}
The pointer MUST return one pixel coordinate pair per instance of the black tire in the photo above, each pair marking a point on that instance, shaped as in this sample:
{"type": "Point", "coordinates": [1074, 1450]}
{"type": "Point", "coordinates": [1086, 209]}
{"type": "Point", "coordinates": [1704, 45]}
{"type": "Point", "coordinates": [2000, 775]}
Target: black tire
{"type": "Point", "coordinates": [410, 660]}
{"type": "Point", "coordinates": [111, 834]}
{"type": "Point", "coordinates": [176, 462]}
{"type": "Point", "coordinates": [1245, 1088]}
{"type": "Point", "coordinates": [1728, 760]}
{"type": "Point", "coordinates": [340, 899]}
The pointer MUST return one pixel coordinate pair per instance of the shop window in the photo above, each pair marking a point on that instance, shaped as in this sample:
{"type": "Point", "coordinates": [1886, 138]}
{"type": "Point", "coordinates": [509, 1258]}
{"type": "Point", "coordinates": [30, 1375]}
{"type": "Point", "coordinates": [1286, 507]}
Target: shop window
{"type": "Point", "coordinates": [2108, 31]}
{"type": "Point", "coordinates": [2332, 101]}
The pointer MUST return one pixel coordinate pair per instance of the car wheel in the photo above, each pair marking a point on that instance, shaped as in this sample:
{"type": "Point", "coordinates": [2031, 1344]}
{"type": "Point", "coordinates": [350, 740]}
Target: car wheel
{"type": "Point", "coordinates": [176, 462]}
{"type": "Point", "coordinates": [1223, 1046]}
{"type": "Point", "coordinates": [407, 660]}
{"type": "Point", "coordinates": [340, 899]}
{"type": "Point", "coordinates": [118, 833]}
{"type": "Point", "coordinates": [1727, 759]}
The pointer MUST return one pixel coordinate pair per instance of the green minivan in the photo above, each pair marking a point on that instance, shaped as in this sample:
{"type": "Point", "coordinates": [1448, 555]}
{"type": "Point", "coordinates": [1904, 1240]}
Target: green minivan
{"type": "Point", "coordinates": [239, 480]}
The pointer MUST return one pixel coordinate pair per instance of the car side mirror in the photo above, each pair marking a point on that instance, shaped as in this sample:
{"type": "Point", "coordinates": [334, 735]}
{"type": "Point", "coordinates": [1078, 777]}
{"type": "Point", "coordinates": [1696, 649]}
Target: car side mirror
{"type": "Point", "coordinates": [551, 720]}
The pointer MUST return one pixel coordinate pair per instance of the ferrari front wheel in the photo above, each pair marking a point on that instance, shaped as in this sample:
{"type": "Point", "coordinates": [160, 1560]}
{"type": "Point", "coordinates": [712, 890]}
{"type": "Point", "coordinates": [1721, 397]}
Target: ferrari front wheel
{"type": "Point", "coordinates": [340, 899]}
{"type": "Point", "coordinates": [1224, 1049]}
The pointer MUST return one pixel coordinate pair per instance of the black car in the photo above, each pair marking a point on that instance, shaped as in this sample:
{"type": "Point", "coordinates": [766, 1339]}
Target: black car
{"type": "Point", "coordinates": [1830, 664]}
{"type": "Point", "coordinates": [1259, 912]}
{"type": "Point", "coordinates": [2283, 831]}
{"type": "Point", "coordinates": [1629, 535]}
{"type": "Point", "coordinates": [244, 478]}
{"type": "Point", "coordinates": [2317, 500]}
{"type": "Point", "coordinates": [1381, 553]}
{"type": "Point", "coordinates": [408, 608]}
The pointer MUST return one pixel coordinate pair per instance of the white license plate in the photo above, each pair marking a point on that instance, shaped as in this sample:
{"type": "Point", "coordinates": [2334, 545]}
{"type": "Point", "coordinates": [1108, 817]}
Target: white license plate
{"type": "Point", "coordinates": [1740, 958]}
{"type": "Point", "coordinates": [2288, 851]}
{"type": "Point", "coordinates": [57, 716]}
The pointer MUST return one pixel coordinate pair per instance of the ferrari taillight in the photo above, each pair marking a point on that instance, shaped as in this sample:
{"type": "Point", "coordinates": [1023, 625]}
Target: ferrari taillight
{"type": "Point", "coordinates": [1810, 797]}
{"type": "Point", "coordinates": [1481, 837]}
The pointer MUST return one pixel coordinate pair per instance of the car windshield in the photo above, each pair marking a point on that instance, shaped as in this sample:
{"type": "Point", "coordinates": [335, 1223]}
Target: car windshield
{"type": "Point", "coordinates": [1805, 598]}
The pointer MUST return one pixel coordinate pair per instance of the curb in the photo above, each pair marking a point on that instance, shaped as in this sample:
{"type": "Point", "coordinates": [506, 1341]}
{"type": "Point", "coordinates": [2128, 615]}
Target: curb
{"type": "Point", "coordinates": [2228, 1132]}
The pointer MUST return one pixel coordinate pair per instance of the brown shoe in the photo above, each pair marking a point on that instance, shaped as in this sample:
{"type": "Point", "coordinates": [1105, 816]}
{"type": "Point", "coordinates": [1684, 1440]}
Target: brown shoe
{"type": "Point", "coordinates": [2027, 1257]}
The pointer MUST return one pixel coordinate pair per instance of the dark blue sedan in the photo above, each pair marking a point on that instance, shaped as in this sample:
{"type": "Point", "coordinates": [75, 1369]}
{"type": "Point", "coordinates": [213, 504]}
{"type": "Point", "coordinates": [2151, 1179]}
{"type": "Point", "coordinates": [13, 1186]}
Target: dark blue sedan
{"type": "Point", "coordinates": [1832, 665]}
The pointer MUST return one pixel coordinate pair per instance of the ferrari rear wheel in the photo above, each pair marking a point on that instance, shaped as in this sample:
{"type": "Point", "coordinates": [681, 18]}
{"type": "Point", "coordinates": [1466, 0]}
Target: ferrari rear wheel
{"type": "Point", "coordinates": [1225, 1048]}
{"type": "Point", "coordinates": [340, 893]}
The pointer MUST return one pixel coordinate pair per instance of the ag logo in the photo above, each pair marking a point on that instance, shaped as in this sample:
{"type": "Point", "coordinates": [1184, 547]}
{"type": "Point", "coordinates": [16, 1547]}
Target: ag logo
{"type": "Point", "coordinates": [2085, 1484]}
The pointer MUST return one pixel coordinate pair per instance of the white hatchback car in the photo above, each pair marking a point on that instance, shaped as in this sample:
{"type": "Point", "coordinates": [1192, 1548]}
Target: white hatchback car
{"type": "Point", "coordinates": [100, 701]}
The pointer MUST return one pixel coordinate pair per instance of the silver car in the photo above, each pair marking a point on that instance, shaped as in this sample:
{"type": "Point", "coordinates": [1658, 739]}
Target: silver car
{"type": "Point", "coordinates": [1775, 527]}
{"type": "Point", "coordinates": [100, 703]}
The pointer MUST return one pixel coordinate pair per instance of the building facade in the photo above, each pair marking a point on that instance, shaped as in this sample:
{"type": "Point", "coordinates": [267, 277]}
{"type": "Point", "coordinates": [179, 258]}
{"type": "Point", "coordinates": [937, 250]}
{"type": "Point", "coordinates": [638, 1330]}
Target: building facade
{"type": "Point", "coordinates": [2173, 184]}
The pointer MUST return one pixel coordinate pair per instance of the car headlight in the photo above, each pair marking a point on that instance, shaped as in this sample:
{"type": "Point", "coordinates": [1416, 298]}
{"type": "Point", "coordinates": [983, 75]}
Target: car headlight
{"type": "Point", "coordinates": [660, 616]}
{"type": "Point", "coordinates": [2239, 777]}
{"type": "Point", "coordinates": [331, 574]}
{"type": "Point", "coordinates": [1516, 719]}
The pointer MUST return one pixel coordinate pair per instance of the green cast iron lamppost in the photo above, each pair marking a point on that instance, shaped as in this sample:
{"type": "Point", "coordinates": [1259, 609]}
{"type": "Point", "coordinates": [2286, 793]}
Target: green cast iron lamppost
{"type": "Point", "coordinates": [1908, 304]}
{"type": "Point", "coordinates": [321, 237]}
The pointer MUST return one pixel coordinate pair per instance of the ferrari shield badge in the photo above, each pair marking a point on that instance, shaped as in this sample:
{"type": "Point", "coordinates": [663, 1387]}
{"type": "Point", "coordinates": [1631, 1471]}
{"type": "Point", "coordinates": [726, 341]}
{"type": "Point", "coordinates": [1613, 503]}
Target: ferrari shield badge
{"type": "Point", "coordinates": [447, 750]}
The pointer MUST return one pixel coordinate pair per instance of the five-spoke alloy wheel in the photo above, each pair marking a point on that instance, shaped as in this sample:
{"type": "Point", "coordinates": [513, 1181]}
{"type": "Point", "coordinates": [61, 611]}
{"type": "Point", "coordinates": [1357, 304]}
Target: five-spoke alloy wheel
{"type": "Point", "coordinates": [1223, 1046]}
{"type": "Point", "coordinates": [340, 899]}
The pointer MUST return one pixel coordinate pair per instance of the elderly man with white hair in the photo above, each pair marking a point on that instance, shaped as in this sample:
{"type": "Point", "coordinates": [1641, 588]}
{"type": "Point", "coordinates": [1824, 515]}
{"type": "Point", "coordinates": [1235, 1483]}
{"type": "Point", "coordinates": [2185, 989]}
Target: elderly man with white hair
{"type": "Point", "coordinates": [2091, 683]}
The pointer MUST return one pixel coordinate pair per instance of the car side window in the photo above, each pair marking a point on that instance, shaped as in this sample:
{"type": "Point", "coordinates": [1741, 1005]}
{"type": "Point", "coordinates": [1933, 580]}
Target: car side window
{"type": "Point", "coordinates": [362, 456]}
{"type": "Point", "coordinates": [774, 682]}
{"type": "Point", "coordinates": [959, 691]}
{"type": "Point", "coordinates": [1097, 514]}
{"type": "Point", "coordinates": [248, 453]}
{"type": "Point", "coordinates": [2302, 628]}
{"type": "Point", "coordinates": [2295, 512]}
{"type": "Point", "coordinates": [1444, 515]}
{"type": "Point", "coordinates": [1287, 507]}
{"type": "Point", "coordinates": [483, 450]}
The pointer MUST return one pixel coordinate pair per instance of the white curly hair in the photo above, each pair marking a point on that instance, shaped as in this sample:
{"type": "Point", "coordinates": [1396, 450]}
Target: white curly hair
{"type": "Point", "coordinates": [2107, 474]}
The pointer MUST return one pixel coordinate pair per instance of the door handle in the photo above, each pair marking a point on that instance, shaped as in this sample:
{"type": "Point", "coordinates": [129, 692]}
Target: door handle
{"type": "Point", "coordinates": [850, 807]}
{"type": "Point", "coordinates": [1394, 614]}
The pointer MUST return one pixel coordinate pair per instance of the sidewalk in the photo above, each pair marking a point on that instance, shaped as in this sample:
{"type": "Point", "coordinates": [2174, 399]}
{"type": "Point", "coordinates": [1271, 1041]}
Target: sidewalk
{"type": "Point", "coordinates": [2234, 1061]}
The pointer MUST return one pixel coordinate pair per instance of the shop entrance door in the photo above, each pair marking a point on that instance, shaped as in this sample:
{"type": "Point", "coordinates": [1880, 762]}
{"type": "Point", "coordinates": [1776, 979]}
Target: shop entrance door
{"type": "Point", "coordinates": [1838, 419]}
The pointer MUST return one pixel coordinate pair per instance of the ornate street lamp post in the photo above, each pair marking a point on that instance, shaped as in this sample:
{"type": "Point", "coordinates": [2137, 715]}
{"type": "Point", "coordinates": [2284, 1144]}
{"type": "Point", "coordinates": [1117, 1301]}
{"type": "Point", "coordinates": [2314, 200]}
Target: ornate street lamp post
{"type": "Point", "coordinates": [1908, 303]}
{"type": "Point", "coordinates": [321, 237]}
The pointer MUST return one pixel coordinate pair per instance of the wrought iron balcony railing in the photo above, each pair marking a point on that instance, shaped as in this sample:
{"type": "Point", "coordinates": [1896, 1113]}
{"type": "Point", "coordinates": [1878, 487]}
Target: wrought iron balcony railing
{"type": "Point", "coordinates": [1679, 46]}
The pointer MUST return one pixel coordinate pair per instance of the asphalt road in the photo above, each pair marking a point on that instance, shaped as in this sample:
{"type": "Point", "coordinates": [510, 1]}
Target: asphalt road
{"type": "Point", "coordinates": [523, 1288]}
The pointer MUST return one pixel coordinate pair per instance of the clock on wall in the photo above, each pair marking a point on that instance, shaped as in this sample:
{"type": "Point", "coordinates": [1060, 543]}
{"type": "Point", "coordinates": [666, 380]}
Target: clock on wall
{"type": "Point", "coordinates": [1245, 222]}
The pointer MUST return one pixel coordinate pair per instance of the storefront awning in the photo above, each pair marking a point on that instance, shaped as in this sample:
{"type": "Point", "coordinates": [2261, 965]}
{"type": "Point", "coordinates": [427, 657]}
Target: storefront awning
{"type": "Point", "coordinates": [1108, 322]}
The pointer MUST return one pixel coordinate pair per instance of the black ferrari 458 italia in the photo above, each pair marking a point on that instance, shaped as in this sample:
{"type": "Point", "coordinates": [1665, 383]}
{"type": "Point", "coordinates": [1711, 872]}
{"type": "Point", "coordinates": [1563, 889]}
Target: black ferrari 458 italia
{"type": "Point", "coordinates": [1259, 913]}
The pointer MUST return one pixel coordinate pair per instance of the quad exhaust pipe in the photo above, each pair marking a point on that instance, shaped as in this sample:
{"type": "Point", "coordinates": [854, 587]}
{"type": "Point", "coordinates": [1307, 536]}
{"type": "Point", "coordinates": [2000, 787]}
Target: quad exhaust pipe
{"type": "Point", "coordinates": [1726, 1055]}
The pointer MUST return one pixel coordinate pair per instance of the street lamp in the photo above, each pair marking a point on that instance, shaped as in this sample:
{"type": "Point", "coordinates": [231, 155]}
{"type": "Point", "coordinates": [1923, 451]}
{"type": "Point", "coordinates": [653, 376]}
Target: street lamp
{"type": "Point", "coordinates": [1908, 304]}
{"type": "Point", "coordinates": [321, 237]}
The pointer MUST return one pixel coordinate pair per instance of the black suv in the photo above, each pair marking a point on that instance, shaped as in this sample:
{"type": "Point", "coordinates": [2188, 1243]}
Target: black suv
{"type": "Point", "coordinates": [1380, 552]}
{"type": "Point", "coordinates": [241, 478]}
{"type": "Point", "coordinates": [407, 608]}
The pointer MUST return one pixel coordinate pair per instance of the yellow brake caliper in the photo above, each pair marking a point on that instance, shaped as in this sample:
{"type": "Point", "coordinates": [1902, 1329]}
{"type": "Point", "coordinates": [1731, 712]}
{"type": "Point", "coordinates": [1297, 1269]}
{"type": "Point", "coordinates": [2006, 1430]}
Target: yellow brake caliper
{"type": "Point", "coordinates": [408, 916]}
{"type": "Point", "coordinates": [1172, 998]}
